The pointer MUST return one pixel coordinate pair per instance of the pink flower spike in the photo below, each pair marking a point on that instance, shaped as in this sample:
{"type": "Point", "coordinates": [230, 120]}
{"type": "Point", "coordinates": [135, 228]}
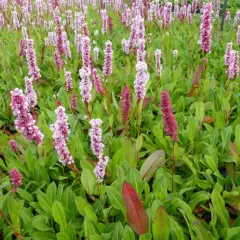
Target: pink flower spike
{"type": "Point", "coordinates": [86, 50]}
{"type": "Point", "coordinates": [228, 54]}
{"type": "Point", "coordinates": [74, 102]}
{"type": "Point", "coordinates": [97, 82]}
{"type": "Point", "coordinates": [100, 168]}
{"type": "Point", "coordinates": [158, 54]}
{"type": "Point", "coordinates": [22, 48]}
{"type": "Point", "coordinates": [16, 179]}
{"type": "Point", "coordinates": [85, 85]}
{"type": "Point", "coordinates": [96, 137]}
{"type": "Point", "coordinates": [126, 104]}
{"type": "Point", "coordinates": [238, 35]}
{"type": "Point", "coordinates": [107, 68]}
{"type": "Point", "coordinates": [206, 28]}
{"type": "Point", "coordinates": [30, 93]}
{"type": "Point", "coordinates": [68, 79]}
{"type": "Point", "coordinates": [61, 131]}
{"type": "Point", "coordinates": [24, 120]}
{"type": "Point", "coordinates": [60, 41]}
{"type": "Point", "coordinates": [13, 145]}
{"type": "Point", "coordinates": [233, 71]}
{"type": "Point", "coordinates": [59, 62]}
{"type": "Point", "coordinates": [168, 116]}
{"type": "Point", "coordinates": [34, 71]}
{"type": "Point", "coordinates": [141, 80]}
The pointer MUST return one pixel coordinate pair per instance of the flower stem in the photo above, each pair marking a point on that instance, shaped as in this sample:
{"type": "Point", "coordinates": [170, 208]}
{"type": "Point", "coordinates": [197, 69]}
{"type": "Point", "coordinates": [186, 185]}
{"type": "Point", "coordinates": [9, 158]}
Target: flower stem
{"type": "Point", "coordinates": [173, 164]}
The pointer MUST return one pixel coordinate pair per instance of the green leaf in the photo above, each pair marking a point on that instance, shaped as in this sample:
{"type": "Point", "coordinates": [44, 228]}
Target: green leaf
{"type": "Point", "coordinates": [25, 195]}
{"type": "Point", "coordinates": [146, 236]}
{"type": "Point", "coordinates": [14, 208]}
{"type": "Point", "coordinates": [151, 164]}
{"type": "Point", "coordinates": [59, 215]}
{"type": "Point", "coordinates": [219, 206]}
{"type": "Point", "coordinates": [63, 236]}
{"type": "Point", "coordinates": [88, 181]}
{"type": "Point", "coordinates": [68, 203]}
{"type": "Point", "coordinates": [96, 237]}
{"type": "Point", "coordinates": [135, 179]}
{"type": "Point", "coordinates": [128, 233]}
{"type": "Point", "coordinates": [161, 225]}
{"type": "Point", "coordinates": [176, 230]}
{"type": "Point", "coordinates": [40, 223]}
{"type": "Point", "coordinates": [139, 142]}
{"type": "Point", "coordinates": [115, 199]}
{"type": "Point", "coordinates": [44, 202]}
{"type": "Point", "coordinates": [81, 203]}
{"type": "Point", "coordinates": [200, 111]}
{"type": "Point", "coordinates": [43, 236]}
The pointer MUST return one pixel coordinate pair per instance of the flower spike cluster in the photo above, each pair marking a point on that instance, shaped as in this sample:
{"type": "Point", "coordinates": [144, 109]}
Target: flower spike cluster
{"type": "Point", "coordinates": [141, 80]}
{"type": "Point", "coordinates": [227, 55]}
{"type": "Point", "coordinates": [61, 131]}
{"type": "Point", "coordinates": [168, 116]}
{"type": "Point", "coordinates": [107, 68]}
{"type": "Point", "coordinates": [233, 70]}
{"type": "Point", "coordinates": [24, 120]}
{"type": "Point", "coordinates": [85, 85]}
{"type": "Point", "coordinates": [97, 148]}
{"type": "Point", "coordinates": [34, 71]}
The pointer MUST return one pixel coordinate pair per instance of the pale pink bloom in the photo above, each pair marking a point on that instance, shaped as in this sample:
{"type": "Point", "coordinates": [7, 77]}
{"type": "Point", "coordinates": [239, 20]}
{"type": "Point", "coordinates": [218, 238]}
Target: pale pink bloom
{"type": "Point", "coordinates": [100, 168]}
{"type": "Point", "coordinates": [238, 36]}
{"type": "Point", "coordinates": [86, 50]}
{"type": "Point", "coordinates": [30, 93]}
{"type": "Point", "coordinates": [24, 120]}
{"type": "Point", "coordinates": [96, 54]}
{"type": "Point", "coordinates": [141, 80]}
{"type": "Point", "coordinates": [233, 71]}
{"type": "Point", "coordinates": [59, 62]}
{"type": "Point", "coordinates": [107, 68]}
{"type": "Point", "coordinates": [68, 79]}
{"type": "Point", "coordinates": [85, 85]}
{"type": "Point", "coordinates": [158, 54]}
{"type": "Point", "coordinates": [96, 137]}
{"type": "Point", "coordinates": [61, 131]}
{"type": "Point", "coordinates": [227, 55]}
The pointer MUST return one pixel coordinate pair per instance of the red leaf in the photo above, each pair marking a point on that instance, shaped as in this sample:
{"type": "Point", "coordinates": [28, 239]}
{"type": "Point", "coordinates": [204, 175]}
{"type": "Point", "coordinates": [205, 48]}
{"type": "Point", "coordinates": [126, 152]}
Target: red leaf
{"type": "Point", "coordinates": [136, 213]}
{"type": "Point", "coordinates": [208, 119]}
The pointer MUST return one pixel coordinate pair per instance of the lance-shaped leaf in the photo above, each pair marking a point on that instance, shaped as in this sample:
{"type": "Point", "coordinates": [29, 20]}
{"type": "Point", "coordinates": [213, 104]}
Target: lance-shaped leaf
{"type": "Point", "coordinates": [136, 213]}
{"type": "Point", "coordinates": [161, 225]}
{"type": "Point", "coordinates": [151, 165]}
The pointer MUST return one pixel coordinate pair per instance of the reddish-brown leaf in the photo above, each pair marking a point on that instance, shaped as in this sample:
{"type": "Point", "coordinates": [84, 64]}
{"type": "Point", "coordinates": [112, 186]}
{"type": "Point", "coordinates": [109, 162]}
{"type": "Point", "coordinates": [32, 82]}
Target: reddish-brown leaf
{"type": "Point", "coordinates": [207, 119]}
{"type": "Point", "coordinates": [136, 213]}
{"type": "Point", "coordinates": [199, 72]}
{"type": "Point", "coordinates": [146, 101]}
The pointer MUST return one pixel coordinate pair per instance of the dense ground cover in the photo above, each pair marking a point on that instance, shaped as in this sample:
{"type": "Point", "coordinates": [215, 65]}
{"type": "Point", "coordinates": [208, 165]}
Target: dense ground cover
{"type": "Point", "coordinates": [149, 91]}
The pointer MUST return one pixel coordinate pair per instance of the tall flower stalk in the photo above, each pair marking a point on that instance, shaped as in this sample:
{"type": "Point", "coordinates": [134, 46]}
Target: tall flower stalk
{"type": "Point", "coordinates": [206, 28]}
{"type": "Point", "coordinates": [170, 126]}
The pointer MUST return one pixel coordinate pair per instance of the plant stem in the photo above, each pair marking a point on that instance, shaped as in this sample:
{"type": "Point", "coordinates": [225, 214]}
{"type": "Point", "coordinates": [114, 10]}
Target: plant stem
{"type": "Point", "coordinates": [16, 234]}
{"type": "Point", "coordinates": [173, 165]}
